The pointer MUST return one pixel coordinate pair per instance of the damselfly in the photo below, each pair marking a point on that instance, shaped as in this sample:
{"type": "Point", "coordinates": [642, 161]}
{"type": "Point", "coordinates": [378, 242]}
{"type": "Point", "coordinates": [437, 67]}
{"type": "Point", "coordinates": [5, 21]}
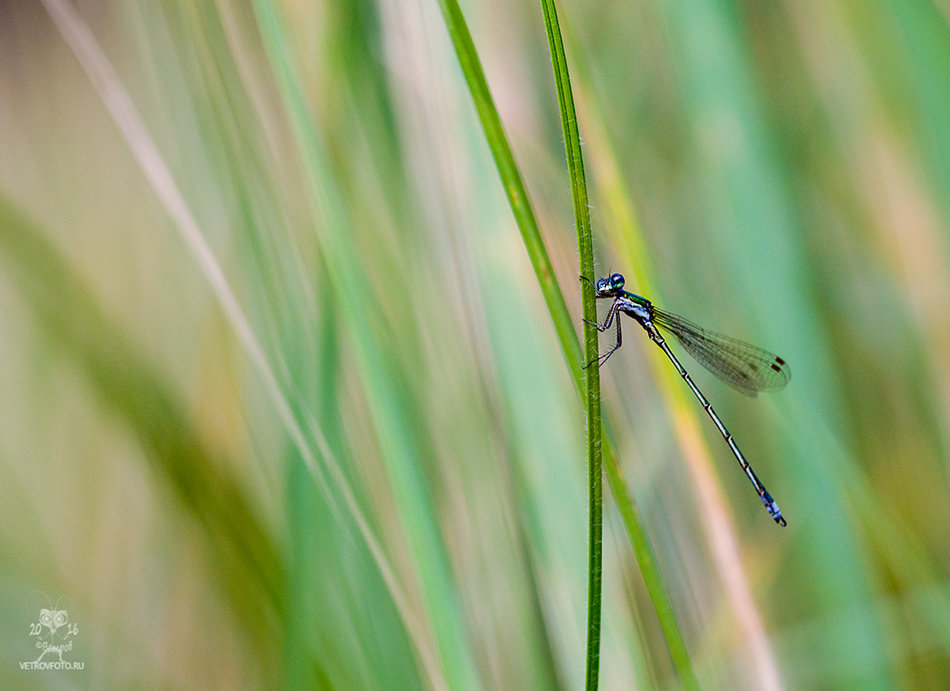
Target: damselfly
{"type": "Point", "coordinates": [744, 367]}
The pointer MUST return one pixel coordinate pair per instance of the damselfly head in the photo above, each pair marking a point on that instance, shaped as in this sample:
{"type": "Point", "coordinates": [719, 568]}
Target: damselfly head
{"type": "Point", "coordinates": [610, 285]}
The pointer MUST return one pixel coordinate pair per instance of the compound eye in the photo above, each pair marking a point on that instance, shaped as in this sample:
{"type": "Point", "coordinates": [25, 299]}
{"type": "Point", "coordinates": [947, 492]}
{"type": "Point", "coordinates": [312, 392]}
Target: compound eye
{"type": "Point", "coordinates": [602, 285]}
{"type": "Point", "coordinates": [616, 281]}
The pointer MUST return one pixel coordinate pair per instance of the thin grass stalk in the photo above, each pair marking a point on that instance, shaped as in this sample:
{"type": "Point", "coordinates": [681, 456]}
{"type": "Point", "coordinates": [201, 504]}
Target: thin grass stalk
{"type": "Point", "coordinates": [639, 540]}
{"type": "Point", "coordinates": [575, 166]}
{"type": "Point", "coordinates": [513, 183]}
{"type": "Point", "coordinates": [586, 387]}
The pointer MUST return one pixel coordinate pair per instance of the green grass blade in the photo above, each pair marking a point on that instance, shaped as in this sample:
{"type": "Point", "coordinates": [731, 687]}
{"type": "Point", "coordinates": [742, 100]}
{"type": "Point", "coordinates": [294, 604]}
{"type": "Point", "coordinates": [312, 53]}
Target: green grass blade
{"type": "Point", "coordinates": [511, 179]}
{"type": "Point", "coordinates": [513, 184]}
{"type": "Point", "coordinates": [638, 537]}
{"type": "Point", "coordinates": [575, 166]}
{"type": "Point", "coordinates": [250, 565]}
{"type": "Point", "coordinates": [390, 401]}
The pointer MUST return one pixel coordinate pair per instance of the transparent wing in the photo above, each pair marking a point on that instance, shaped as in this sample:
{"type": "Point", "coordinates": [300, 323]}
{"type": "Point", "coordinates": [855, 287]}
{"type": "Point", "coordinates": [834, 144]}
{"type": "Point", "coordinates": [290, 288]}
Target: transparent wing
{"type": "Point", "coordinates": [745, 367]}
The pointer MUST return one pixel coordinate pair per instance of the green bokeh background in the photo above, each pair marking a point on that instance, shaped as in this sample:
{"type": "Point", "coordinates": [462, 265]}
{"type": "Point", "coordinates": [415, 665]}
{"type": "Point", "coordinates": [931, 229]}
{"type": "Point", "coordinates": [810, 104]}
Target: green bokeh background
{"type": "Point", "coordinates": [295, 414]}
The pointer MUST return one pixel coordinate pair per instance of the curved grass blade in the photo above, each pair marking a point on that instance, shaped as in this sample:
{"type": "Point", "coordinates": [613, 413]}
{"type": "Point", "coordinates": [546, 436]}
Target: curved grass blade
{"type": "Point", "coordinates": [560, 317]}
{"type": "Point", "coordinates": [575, 166]}
{"type": "Point", "coordinates": [250, 564]}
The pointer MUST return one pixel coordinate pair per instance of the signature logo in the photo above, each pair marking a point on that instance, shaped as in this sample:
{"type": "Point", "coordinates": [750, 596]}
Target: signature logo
{"type": "Point", "coordinates": [54, 635]}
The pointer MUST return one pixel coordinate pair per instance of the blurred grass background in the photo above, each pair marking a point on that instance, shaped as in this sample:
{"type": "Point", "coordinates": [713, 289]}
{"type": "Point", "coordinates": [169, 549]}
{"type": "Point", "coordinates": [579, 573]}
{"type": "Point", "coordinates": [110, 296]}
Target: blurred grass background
{"type": "Point", "coordinates": [354, 459]}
